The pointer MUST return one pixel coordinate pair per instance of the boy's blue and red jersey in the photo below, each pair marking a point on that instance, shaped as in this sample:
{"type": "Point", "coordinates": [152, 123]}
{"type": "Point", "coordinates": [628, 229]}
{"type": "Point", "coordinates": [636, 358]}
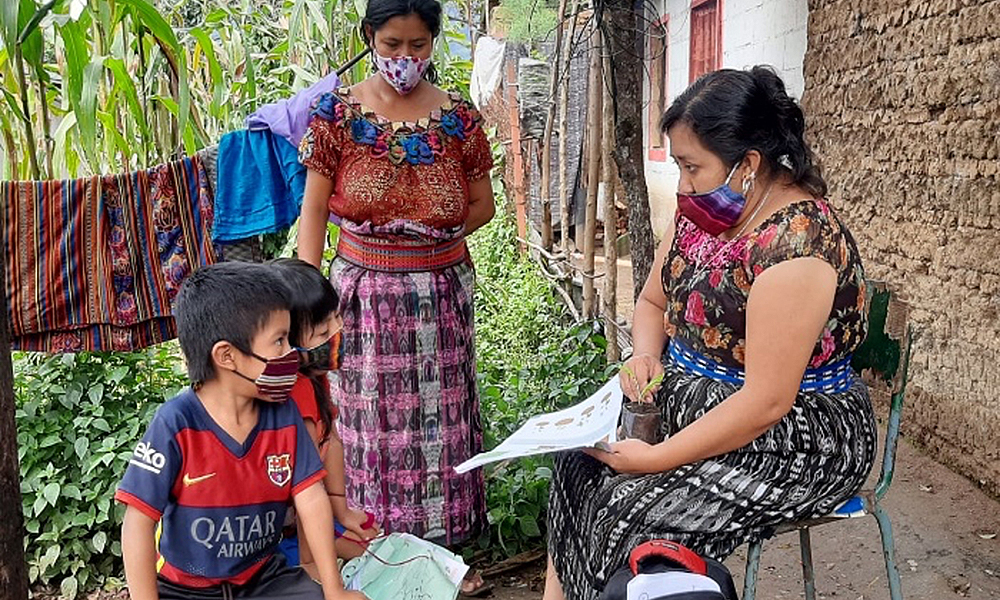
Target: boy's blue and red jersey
{"type": "Point", "coordinates": [221, 504]}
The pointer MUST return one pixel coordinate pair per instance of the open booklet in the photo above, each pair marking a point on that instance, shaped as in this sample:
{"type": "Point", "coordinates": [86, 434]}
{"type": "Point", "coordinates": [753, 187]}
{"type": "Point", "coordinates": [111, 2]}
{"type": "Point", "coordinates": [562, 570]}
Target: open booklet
{"type": "Point", "coordinates": [591, 423]}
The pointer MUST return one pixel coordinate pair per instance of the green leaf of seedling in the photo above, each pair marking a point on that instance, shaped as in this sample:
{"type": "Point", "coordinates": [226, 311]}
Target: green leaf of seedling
{"type": "Point", "coordinates": [652, 385]}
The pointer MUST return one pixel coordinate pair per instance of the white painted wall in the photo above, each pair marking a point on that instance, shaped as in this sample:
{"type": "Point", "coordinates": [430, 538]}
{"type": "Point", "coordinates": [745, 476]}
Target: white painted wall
{"type": "Point", "coordinates": [754, 32]}
{"type": "Point", "coordinates": [770, 32]}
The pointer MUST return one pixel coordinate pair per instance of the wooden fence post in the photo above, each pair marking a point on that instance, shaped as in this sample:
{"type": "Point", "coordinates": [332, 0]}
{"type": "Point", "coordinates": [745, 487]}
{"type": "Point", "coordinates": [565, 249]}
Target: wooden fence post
{"type": "Point", "coordinates": [517, 149]}
{"type": "Point", "coordinates": [567, 67]}
{"type": "Point", "coordinates": [594, 130]}
{"type": "Point", "coordinates": [608, 177]}
{"type": "Point", "coordinates": [550, 117]}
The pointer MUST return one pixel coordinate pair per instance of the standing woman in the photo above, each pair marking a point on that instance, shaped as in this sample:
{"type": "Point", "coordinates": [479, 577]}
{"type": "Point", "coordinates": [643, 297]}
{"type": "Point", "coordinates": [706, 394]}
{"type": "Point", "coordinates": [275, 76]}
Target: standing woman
{"type": "Point", "coordinates": [405, 166]}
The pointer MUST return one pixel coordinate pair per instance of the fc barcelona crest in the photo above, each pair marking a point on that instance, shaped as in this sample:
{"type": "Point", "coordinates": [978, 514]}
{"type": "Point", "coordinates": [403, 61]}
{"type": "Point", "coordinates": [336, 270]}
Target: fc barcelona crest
{"type": "Point", "coordinates": [279, 469]}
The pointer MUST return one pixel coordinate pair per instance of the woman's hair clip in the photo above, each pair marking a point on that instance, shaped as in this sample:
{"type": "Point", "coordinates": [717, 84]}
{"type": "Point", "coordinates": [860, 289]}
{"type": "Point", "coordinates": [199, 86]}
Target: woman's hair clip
{"type": "Point", "coordinates": [785, 161]}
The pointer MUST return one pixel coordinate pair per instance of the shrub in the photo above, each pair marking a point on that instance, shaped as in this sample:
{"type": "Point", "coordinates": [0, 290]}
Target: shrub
{"type": "Point", "coordinates": [531, 359]}
{"type": "Point", "coordinates": [79, 417]}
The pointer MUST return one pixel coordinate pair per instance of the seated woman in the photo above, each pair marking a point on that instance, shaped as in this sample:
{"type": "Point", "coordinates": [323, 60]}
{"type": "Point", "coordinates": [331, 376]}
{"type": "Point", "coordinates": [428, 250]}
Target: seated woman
{"type": "Point", "coordinates": [750, 315]}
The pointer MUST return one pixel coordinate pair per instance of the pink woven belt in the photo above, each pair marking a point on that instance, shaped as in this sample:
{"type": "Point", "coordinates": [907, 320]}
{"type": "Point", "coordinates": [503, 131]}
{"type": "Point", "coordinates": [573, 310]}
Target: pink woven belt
{"type": "Point", "coordinates": [396, 255]}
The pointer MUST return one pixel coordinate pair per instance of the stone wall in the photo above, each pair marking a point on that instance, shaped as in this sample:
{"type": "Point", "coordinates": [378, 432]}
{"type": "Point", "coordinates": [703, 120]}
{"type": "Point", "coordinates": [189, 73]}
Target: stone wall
{"type": "Point", "coordinates": [902, 104]}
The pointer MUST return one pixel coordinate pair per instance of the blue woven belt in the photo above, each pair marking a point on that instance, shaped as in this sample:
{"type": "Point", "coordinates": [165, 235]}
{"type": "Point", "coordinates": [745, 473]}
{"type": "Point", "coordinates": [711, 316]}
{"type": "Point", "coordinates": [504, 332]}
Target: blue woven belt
{"type": "Point", "coordinates": [833, 378]}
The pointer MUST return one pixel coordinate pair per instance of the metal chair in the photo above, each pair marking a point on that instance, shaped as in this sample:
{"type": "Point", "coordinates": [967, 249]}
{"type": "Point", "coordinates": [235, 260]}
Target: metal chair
{"type": "Point", "coordinates": [883, 359]}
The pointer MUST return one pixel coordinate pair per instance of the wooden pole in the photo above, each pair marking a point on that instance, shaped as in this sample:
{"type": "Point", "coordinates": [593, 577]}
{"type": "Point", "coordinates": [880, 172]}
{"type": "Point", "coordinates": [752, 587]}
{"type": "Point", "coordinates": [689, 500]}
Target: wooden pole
{"type": "Point", "coordinates": [550, 117]}
{"type": "Point", "coordinates": [567, 61]}
{"type": "Point", "coordinates": [623, 24]}
{"type": "Point", "coordinates": [595, 95]}
{"type": "Point", "coordinates": [13, 571]}
{"type": "Point", "coordinates": [517, 150]}
{"type": "Point", "coordinates": [473, 33]}
{"type": "Point", "coordinates": [610, 295]}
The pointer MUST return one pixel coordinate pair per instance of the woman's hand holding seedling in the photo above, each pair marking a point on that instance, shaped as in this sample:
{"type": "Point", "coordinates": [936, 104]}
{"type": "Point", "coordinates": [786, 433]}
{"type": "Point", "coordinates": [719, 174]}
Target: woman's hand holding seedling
{"type": "Point", "coordinates": [640, 377]}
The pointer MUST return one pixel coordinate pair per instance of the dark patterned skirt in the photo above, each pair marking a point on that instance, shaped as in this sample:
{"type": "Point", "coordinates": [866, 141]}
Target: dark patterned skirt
{"type": "Point", "coordinates": [816, 457]}
{"type": "Point", "coordinates": [408, 397]}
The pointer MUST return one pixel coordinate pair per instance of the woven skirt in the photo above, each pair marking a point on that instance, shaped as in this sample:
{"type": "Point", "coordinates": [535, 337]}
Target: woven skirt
{"type": "Point", "coordinates": [407, 392]}
{"type": "Point", "coordinates": [817, 456]}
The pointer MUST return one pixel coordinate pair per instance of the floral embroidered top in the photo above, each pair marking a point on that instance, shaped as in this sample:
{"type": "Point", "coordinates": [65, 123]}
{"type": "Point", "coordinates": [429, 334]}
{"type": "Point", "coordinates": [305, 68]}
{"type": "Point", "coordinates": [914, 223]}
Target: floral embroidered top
{"type": "Point", "coordinates": [707, 283]}
{"type": "Point", "coordinates": [383, 171]}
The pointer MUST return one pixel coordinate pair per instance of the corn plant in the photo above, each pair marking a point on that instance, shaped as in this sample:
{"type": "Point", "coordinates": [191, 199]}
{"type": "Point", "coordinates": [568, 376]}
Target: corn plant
{"type": "Point", "coordinates": [92, 86]}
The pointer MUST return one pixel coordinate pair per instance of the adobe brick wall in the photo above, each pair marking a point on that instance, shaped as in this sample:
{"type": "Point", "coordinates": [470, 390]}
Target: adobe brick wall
{"type": "Point", "coordinates": [903, 107]}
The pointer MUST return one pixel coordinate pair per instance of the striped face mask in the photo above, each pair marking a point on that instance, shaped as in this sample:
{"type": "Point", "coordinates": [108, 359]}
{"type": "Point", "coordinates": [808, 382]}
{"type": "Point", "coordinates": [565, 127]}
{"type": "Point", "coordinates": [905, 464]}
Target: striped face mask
{"type": "Point", "coordinates": [714, 211]}
{"type": "Point", "coordinates": [278, 378]}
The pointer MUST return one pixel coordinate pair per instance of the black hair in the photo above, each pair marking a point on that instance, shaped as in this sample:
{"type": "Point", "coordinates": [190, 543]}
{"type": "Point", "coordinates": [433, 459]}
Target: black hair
{"type": "Point", "coordinates": [733, 112]}
{"type": "Point", "coordinates": [229, 302]}
{"type": "Point", "coordinates": [380, 11]}
{"type": "Point", "coordinates": [312, 299]}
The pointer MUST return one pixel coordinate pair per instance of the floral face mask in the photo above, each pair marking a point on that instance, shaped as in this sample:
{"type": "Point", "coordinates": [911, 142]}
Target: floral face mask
{"type": "Point", "coordinates": [403, 73]}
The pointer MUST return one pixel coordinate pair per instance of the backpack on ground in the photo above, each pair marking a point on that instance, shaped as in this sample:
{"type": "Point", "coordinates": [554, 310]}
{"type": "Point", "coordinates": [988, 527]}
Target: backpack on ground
{"type": "Point", "coordinates": [665, 570]}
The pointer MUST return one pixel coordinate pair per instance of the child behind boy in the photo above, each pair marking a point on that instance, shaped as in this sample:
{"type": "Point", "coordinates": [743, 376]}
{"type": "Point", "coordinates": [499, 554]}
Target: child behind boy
{"type": "Point", "coordinates": [316, 331]}
{"type": "Point", "coordinates": [221, 461]}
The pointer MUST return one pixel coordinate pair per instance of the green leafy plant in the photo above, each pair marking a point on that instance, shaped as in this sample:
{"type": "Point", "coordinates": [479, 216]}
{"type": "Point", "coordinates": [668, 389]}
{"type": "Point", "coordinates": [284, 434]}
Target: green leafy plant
{"type": "Point", "coordinates": [570, 367]}
{"type": "Point", "coordinates": [531, 359]}
{"type": "Point", "coordinates": [79, 417]}
{"type": "Point", "coordinates": [517, 496]}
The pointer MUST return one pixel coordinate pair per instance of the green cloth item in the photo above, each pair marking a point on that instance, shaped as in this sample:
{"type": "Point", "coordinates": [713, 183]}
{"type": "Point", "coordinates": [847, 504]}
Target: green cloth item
{"type": "Point", "coordinates": [416, 569]}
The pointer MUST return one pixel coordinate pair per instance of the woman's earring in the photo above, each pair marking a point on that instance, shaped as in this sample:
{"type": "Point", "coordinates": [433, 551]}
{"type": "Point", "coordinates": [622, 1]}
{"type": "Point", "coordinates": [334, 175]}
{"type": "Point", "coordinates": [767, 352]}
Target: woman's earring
{"type": "Point", "coordinates": [748, 182]}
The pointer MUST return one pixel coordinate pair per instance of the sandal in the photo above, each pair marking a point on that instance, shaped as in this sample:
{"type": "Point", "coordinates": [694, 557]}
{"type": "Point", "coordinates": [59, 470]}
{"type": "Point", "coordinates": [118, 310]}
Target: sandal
{"type": "Point", "coordinates": [477, 587]}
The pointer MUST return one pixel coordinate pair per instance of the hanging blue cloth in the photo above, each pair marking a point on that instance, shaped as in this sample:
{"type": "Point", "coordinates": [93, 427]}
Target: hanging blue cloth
{"type": "Point", "coordinates": [259, 185]}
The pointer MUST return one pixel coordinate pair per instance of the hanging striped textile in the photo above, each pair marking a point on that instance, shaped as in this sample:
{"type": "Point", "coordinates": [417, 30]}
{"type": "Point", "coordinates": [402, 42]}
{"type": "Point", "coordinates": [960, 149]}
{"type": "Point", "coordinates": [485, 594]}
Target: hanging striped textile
{"type": "Point", "coordinates": [94, 264]}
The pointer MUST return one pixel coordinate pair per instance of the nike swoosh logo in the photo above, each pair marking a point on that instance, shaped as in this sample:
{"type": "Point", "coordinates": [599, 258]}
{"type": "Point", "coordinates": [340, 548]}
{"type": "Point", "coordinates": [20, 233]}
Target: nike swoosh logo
{"type": "Point", "coordinates": [189, 481]}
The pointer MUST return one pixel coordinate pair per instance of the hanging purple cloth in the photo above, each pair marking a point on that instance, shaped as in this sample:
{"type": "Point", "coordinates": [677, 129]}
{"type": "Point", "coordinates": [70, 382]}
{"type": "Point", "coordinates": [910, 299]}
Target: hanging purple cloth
{"type": "Point", "coordinates": [289, 118]}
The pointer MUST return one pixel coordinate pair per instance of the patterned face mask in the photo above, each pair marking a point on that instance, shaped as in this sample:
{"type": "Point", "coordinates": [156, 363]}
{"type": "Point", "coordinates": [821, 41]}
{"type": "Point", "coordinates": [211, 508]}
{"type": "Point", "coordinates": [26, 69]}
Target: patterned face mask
{"type": "Point", "coordinates": [714, 211]}
{"type": "Point", "coordinates": [275, 383]}
{"type": "Point", "coordinates": [324, 357]}
{"type": "Point", "coordinates": [403, 73]}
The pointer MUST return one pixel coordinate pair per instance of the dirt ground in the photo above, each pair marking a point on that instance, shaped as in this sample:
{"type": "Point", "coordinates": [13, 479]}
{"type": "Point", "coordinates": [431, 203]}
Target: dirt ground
{"type": "Point", "coordinates": [947, 546]}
